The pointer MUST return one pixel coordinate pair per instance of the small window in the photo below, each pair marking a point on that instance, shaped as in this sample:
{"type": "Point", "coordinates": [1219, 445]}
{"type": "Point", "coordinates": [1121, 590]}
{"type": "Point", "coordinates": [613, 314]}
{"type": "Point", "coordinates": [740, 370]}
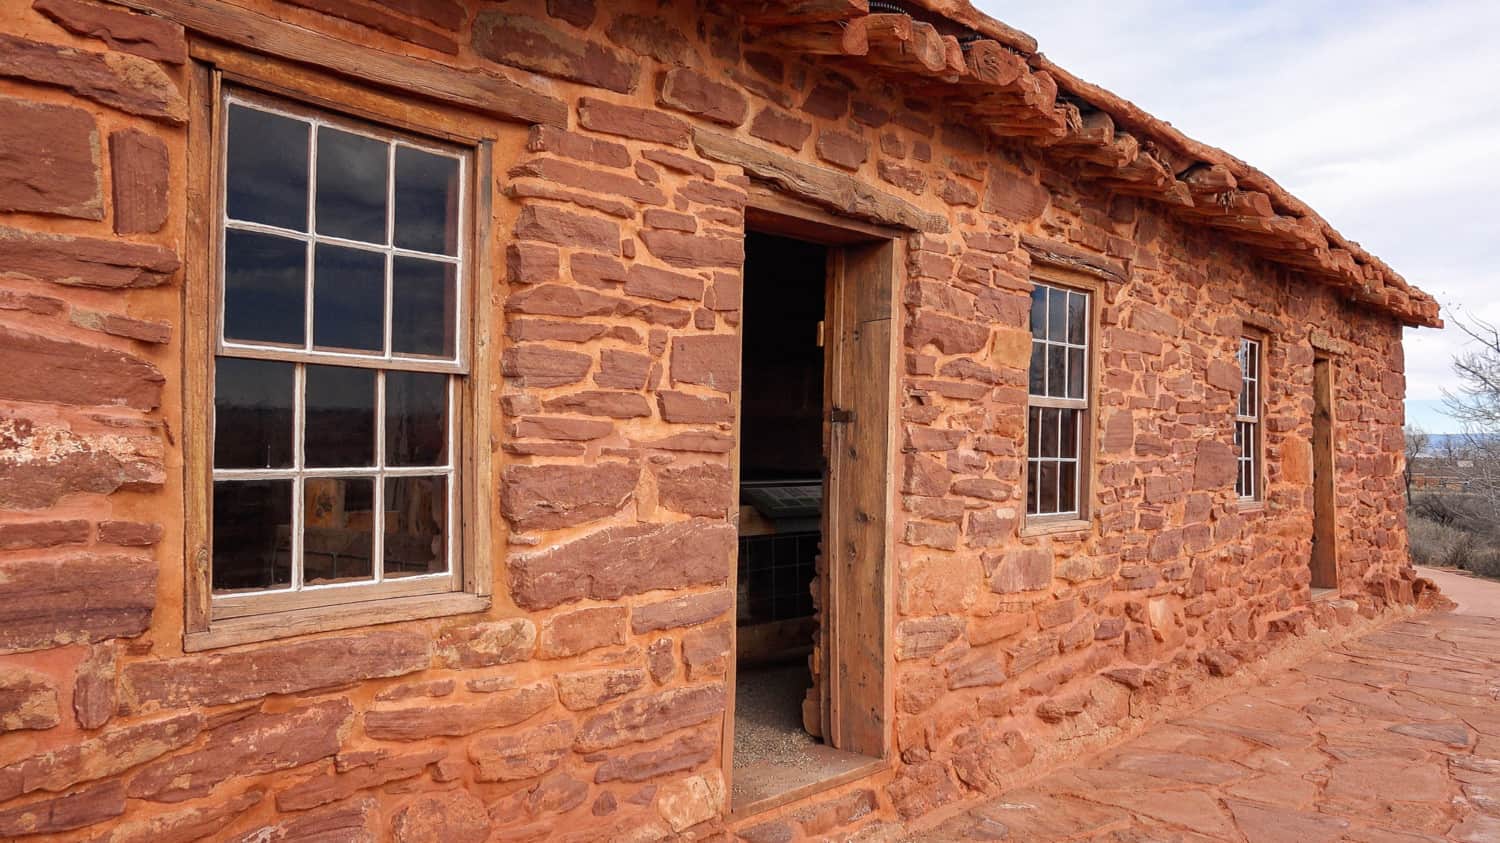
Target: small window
{"type": "Point", "coordinates": [1247, 421]}
{"type": "Point", "coordinates": [339, 360]}
{"type": "Point", "coordinates": [1058, 407]}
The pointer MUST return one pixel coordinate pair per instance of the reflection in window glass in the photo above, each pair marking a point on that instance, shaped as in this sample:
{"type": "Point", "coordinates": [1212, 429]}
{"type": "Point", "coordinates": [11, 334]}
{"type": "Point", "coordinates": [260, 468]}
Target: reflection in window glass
{"type": "Point", "coordinates": [253, 413]}
{"type": "Point", "coordinates": [348, 299]}
{"type": "Point", "coordinates": [416, 418]}
{"type": "Point", "coordinates": [426, 201]}
{"type": "Point", "coordinates": [340, 286]}
{"type": "Point", "coordinates": [351, 186]}
{"type": "Point", "coordinates": [266, 176]}
{"type": "Point", "coordinates": [422, 307]}
{"type": "Point", "coordinates": [339, 428]}
{"type": "Point", "coordinates": [338, 518]}
{"type": "Point", "coordinates": [416, 526]}
{"type": "Point", "coordinates": [252, 530]}
{"type": "Point", "coordinates": [264, 288]}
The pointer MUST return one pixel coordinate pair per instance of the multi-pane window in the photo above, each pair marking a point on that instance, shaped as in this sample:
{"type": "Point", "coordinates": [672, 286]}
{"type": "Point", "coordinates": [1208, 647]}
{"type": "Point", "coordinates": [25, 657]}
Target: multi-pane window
{"type": "Point", "coordinates": [339, 356]}
{"type": "Point", "coordinates": [1247, 421]}
{"type": "Point", "coordinates": [1058, 405]}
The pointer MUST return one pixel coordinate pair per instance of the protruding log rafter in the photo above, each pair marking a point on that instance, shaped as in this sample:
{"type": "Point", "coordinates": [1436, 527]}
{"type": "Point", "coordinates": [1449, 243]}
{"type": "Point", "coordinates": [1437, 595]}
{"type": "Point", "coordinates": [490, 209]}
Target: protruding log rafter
{"type": "Point", "coordinates": [901, 43]}
{"type": "Point", "coordinates": [799, 12]}
{"type": "Point", "coordinates": [835, 38]}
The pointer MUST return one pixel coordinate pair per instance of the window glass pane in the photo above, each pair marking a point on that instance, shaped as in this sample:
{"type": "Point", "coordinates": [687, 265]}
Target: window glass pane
{"type": "Point", "coordinates": [1047, 488]}
{"type": "Point", "coordinates": [1039, 311]}
{"type": "Point", "coordinates": [416, 418]}
{"type": "Point", "coordinates": [423, 307]}
{"type": "Point", "coordinates": [1067, 484]}
{"type": "Point", "coordinates": [416, 526]}
{"type": "Point", "coordinates": [351, 185]}
{"type": "Point", "coordinates": [340, 417]}
{"type": "Point", "coordinates": [1057, 361]}
{"type": "Point", "coordinates": [1038, 368]}
{"type": "Point", "coordinates": [348, 299]}
{"type": "Point", "coordinates": [266, 170]}
{"type": "Point", "coordinates": [264, 289]}
{"type": "Point", "coordinates": [338, 517]}
{"type": "Point", "coordinates": [426, 201]}
{"type": "Point", "coordinates": [1050, 428]}
{"type": "Point", "coordinates": [252, 534]}
{"type": "Point", "coordinates": [1057, 314]}
{"type": "Point", "coordinates": [1033, 432]}
{"type": "Point", "coordinates": [1078, 309]}
{"type": "Point", "coordinates": [1069, 436]}
{"type": "Point", "coordinates": [1033, 487]}
{"type": "Point", "coordinates": [1076, 370]}
{"type": "Point", "coordinates": [252, 413]}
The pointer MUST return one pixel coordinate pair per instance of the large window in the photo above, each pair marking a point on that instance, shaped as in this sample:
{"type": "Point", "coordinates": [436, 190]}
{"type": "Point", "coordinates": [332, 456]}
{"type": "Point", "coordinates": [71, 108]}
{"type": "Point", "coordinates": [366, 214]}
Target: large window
{"type": "Point", "coordinates": [1058, 407]}
{"type": "Point", "coordinates": [339, 360]}
{"type": "Point", "coordinates": [1247, 421]}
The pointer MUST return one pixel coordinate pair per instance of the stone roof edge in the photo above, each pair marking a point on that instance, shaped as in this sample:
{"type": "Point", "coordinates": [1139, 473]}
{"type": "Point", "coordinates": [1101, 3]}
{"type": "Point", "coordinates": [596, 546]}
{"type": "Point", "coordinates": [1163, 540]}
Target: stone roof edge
{"type": "Point", "coordinates": [1365, 276]}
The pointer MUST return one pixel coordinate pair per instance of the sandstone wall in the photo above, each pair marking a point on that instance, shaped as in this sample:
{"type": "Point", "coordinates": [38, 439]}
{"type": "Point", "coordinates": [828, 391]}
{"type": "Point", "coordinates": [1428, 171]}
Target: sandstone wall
{"type": "Point", "coordinates": [588, 702]}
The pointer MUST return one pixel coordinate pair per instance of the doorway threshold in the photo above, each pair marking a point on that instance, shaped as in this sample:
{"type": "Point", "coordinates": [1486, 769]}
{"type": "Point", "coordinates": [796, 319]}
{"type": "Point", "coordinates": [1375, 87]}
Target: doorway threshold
{"type": "Point", "coordinates": [764, 785]}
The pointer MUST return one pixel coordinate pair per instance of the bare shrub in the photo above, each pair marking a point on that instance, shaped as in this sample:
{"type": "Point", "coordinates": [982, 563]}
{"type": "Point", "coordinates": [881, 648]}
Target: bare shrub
{"type": "Point", "coordinates": [1433, 542]}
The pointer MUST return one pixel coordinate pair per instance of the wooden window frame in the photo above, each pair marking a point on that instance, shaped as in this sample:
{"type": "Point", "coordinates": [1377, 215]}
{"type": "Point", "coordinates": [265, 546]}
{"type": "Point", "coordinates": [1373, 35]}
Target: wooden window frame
{"type": "Point", "coordinates": [209, 622]}
{"type": "Point", "coordinates": [1256, 420]}
{"type": "Point", "coordinates": [1082, 518]}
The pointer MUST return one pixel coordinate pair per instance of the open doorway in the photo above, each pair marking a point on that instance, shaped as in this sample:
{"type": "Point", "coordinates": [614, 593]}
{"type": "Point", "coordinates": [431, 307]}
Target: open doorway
{"type": "Point", "coordinates": [805, 668]}
{"type": "Point", "coordinates": [1324, 560]}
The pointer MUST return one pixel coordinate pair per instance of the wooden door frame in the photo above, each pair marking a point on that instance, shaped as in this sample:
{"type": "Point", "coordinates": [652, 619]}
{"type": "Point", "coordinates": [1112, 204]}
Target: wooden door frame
{"type": "Point", "coordinates": [1323, 559]}
{"type": "Point", "coordinates": [879, 254]}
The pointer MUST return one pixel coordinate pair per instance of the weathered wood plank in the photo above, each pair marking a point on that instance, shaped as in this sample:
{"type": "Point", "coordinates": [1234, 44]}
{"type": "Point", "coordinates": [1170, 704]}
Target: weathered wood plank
{"type": "Point", "coordinates": [1056, 253]}
{"type": "Point", "coordinates": [836, 190]}
{"type": "Point", "coordinates": [845, 38]}
{"type": "Point", "coordinates": [485, 91]}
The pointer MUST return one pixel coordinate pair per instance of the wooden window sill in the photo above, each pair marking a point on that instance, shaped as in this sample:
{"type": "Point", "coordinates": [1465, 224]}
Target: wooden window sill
{"type": "Point", "coordinates": [1053, 528]}
{"type": "Point", "coordinates": [1252, 507]}
{"type": "Point", "coordinates": [252, 628]}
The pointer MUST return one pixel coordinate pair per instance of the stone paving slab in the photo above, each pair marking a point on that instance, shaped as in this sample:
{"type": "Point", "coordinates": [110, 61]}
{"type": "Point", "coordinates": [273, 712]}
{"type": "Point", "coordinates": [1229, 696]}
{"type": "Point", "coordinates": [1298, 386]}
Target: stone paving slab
{"type": "Point", "coordinates": [1391, 738]}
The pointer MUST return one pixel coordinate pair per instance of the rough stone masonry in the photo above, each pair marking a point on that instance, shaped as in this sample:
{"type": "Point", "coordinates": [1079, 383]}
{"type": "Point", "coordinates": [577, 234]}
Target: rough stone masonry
{"type": "Point", "coordinates": [585, 698]}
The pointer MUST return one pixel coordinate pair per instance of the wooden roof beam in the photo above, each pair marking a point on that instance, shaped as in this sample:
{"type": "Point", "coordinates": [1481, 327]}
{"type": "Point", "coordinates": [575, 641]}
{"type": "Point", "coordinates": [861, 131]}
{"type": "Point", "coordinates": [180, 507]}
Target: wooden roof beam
{"type": "Point", "coordinates": [792, 12]}
{"type": "Point", "coordinates": [836, 38]}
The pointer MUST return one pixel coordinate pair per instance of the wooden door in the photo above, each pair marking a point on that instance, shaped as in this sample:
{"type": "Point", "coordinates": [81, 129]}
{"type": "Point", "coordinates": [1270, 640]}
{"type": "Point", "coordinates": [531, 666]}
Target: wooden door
{"type": "Point", "coordinates": [1325, 545]}
{"type": "Point", "coordinates": [858, 388]}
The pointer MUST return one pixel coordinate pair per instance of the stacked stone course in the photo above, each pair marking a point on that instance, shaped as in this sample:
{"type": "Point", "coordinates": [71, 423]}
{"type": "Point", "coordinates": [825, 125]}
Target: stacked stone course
{"type": "Point", "coordinates": [588, 702]}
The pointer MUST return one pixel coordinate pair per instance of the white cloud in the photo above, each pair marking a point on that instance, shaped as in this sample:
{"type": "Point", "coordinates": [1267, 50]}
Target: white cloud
{"type": "Point", "coordinates": [1381, 115]}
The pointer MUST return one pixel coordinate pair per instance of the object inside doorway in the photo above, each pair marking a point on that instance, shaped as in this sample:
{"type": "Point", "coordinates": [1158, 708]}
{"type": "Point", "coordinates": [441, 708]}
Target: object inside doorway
{"type": "Point", "coordinates": [778, 715]}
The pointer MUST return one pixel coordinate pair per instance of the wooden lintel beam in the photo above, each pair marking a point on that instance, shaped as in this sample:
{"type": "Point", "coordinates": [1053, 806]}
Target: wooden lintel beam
{"type": "Point", "coordinates": [487, 91]}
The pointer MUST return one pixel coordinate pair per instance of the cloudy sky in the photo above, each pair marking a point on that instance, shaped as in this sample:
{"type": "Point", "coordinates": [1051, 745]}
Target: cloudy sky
{"type": "Point", "coordinates": [1384, 116]}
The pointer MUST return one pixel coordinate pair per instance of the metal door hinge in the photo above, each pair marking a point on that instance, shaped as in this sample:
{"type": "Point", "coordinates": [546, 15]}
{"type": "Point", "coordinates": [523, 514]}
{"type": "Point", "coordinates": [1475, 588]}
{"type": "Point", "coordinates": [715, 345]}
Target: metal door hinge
{"type": "Point", "coordinates": [839, 415]}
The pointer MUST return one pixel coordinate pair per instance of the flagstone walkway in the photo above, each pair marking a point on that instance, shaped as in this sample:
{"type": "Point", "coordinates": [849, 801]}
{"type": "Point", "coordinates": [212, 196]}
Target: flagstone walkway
{"type": "Point", "coordinates": [1391, 738]}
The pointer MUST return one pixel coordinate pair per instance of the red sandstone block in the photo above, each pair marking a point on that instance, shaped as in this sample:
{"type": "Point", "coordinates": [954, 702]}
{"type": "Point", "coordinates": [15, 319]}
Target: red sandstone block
{"type": "Point", "coordinates": [49, 160]}
{"type": "Point", "coordinates": [692, 92]}
{"type": "Point", "coordinates": [129, 83]}
{"type": "Point", "coordinates": [564, 228]}
{"type": "Point", "coordinates": [842, 149]}
{"type": "Point", "coordinates": [546, 497]}
{"type": "Point", "coordinates": [147, 36]}
{"type": "Point", "coordinates": [639, 123]}
{"type": "Point", "coordinates": [531, 44]}
{"type": "Point", "coordinates": [780, 128]}
{"type": "Point", "coordinates": [26, 535]}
